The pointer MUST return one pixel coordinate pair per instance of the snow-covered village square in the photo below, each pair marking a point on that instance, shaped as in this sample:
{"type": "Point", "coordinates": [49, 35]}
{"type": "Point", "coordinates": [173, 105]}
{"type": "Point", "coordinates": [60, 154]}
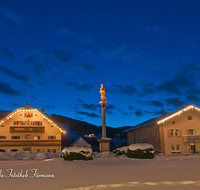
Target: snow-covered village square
{"type": "Point", "coordinates": [99, 95]}
{"type": "Point", "coordinates": [105, 173]}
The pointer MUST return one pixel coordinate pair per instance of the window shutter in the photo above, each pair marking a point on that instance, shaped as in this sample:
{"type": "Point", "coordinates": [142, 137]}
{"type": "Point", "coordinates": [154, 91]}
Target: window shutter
{"type": "Point", "coordinates": [169, 133]}
{"type": "Point", "coordinates": [18, 137]}
{"type": "Point", "coordinates": [40, 123]}
{"type": "Point", "coordinates": [33, 122]}
{"type": "Point", "coordinates": [38, 137]}
{"type": "Point", "coordinates": [180, 133]}
{"type": "Point", "coordinates": [48, 137]}
{"type": "Point", "coordinates": [4, 137]}
{"type": "Point", "coordinates": [31, 114]}
{"type": "Point", "coordinates": [22, 123]}
{"type": "Point", "coordinates": [187, 131]}
{"type": "Point", "coordinates": [14, 122]}
{"type": "Point", "coordinates": [54, 137]}
{"type": "Point", "coordinates": [11, 137]}
{"type": "Point", "coordinates": [25, 115]}
{"type": "Point", "coordinates": [195, 132]}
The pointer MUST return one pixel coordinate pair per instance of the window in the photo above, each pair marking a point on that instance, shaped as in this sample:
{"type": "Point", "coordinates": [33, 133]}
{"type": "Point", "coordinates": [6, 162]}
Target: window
{"type": "Point", "coordinates": [172, 132]}
{"type": "Point", "coordinates": [175, 148]}
{"type": "Point", "coordinates": [28, 115]}
{"type": "Point", "coordinates": [51, 137]}
{"type": "Point", "coordinates": [27, 137]}
{"type": "Point", "coordinates": [191, 131]}
{"type": "Point", "coordinates": [15, 137]}
{"type": "Point", "coordinates": [36, 137]}
{"type": "Point", "coordinates": [52, 150]}
{"type": "Point", "coordinates": [176, 132]}
{"type": "Point", "coordinates": [36, 150]}
{"type": "Point", "coordinates": [189, 118]}
{"type": "Point", "coordinates": [2, 125]}
{"type": "Point", "coordinates": [37, 123]}
{"type": "Point", "coordinates": [2, 137]}
{"type": "Point", "coordinates": [173, 122]}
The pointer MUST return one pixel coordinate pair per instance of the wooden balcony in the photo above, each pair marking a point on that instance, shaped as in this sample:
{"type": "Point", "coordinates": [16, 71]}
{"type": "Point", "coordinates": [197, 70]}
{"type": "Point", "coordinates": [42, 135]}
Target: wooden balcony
{"type": "Point", "coordinates": [23, 129]}
{"type": "Point", "coordinates": [29, 142]}
{"type": "Point", "coordinates": [191, 138]}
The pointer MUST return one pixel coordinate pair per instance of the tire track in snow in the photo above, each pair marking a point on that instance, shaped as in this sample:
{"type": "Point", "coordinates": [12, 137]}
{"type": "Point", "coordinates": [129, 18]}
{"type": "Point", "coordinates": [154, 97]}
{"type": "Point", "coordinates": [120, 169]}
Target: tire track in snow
{"type": "Point", "coordinates": [166, 183]}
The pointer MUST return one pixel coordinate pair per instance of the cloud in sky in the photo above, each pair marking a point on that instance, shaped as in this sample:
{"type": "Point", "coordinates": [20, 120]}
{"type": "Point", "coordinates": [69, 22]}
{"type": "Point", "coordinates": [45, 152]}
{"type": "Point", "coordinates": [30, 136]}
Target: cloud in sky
{"type": "Point", "coordinates": [119, 50]}
{"type": "Point", "coordinates": [7, 54]}
{"type": "Point", "coordinates": [163, 34]}
{"type": "Point", "coordinates": [83, 38]}
{"type": "Point", "coordinates": [93, 115]}
{"type": "Point", "coordinates": [126, 89]}
{"type": "Point", "coordinates": [93, 107]}
{"type": "Point", "coordinates": [6, 89]}
{"type": "Point", "coordinates": [173, 86]}
{"type": "Point", "coordinates": [12, 15]}
{"type": "Point", "coordinates": [80, 87]}
{"type": "Point", "coordinates": [22, 78]}
{"type": "Point", "coordinates": [49, 106]}
{"type": "Point", "coordinates": [86, 68]}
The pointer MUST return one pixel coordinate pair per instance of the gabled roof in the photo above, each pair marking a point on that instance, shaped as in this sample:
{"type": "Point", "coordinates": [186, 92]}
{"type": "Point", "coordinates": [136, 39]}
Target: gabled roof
{"type": "Point", "coordinates": [162, 119]}
{"type": "Point", "coordinates": [80, 142]}
{"type": "Point", "coordinates": [30, 108]}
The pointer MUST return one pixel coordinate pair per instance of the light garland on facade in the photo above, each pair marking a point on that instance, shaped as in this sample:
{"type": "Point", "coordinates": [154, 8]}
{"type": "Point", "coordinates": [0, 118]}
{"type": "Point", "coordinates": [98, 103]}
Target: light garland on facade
{"type": "Point", "coordinates": [32, 110]}
{"type": "Point", "coordinates": [178, 113]}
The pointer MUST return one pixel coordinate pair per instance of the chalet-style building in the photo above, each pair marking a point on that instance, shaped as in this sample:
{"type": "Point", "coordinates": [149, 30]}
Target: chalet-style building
{"type": "Point", "coordinates": [177, 132]}
{"type": "Point", "coordinates": [28, 129]}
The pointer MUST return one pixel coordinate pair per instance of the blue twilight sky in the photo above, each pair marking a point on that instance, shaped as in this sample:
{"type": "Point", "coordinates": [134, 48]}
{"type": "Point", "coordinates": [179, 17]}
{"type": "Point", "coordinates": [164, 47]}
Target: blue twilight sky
{"type": "Point", "coordinates": [56, 53]}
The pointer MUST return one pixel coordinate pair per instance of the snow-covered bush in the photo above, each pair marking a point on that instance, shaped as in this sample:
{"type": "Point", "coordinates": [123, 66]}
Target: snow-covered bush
{"type": "Point", "coordinates": [78, 153]}
{"type": "Point", "coordinates": [141, 150]}
{"type": "Point", "coordinates": [121, 151]}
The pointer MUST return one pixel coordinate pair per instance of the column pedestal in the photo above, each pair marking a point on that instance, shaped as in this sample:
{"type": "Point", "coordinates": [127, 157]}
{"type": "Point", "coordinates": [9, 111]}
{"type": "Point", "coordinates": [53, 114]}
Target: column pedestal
{"type": "Point", "coordinates": [104, 144]}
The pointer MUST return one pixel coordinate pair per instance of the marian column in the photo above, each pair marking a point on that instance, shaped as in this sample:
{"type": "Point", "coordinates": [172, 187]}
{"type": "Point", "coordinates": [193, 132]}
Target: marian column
{"type": "Point", "coordinates": [104, 142]}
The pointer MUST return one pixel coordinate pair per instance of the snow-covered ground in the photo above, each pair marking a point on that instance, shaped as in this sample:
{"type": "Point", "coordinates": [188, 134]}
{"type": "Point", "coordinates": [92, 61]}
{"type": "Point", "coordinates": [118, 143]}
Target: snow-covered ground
{"type": "Point", "coordinates": [121, 173]}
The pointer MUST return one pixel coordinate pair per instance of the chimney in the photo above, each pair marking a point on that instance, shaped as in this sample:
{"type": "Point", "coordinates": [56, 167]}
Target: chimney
{"type": "Point", "coordinates": [42, 110]}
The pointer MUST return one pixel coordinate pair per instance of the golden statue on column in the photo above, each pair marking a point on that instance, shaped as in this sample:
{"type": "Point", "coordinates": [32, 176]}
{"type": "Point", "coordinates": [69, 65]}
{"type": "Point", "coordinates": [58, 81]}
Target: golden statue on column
{"type": "Point", "coordinates": [103, 93]}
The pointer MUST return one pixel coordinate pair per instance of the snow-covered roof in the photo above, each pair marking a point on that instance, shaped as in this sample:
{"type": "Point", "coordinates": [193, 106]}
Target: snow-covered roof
{"type": "Point", "coordinates": [163, 118]}
{"type": "Point", "coordinates": [80, 142]}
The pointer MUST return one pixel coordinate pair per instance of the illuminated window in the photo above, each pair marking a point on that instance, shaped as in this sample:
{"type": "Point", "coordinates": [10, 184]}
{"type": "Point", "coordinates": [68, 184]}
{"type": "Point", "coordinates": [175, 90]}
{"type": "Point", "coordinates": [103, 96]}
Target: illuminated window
{"type": "Point", "coordinates": [27, 137]}
{"type": "Point", "coordinates": [36, 137]}
{"type": "Point", "coordinates": [36, 150]}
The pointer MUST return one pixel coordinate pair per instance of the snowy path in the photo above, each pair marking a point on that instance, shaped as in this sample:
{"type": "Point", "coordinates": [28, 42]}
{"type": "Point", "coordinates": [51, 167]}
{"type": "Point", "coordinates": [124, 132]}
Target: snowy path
{"type": "Point", "coordinates": [180, 172]}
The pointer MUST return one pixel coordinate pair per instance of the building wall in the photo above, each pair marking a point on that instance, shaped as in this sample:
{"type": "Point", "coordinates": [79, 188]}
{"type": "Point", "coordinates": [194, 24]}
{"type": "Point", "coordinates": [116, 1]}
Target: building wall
{"type": "Point", "coordinates": [184, 126]}
{"type": "Point", "coordinates": [149, 134]}
{"type": "Point", "coordinates": [49, 130]}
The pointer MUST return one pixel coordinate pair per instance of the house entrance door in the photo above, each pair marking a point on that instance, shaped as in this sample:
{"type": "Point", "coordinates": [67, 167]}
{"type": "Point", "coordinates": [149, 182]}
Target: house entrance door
{"type": "Point", "coordinates": [192, 148]}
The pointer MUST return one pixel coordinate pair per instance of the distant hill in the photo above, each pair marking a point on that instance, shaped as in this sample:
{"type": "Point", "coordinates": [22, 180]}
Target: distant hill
{"type": "Point", "coordinates": [87, 128]}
